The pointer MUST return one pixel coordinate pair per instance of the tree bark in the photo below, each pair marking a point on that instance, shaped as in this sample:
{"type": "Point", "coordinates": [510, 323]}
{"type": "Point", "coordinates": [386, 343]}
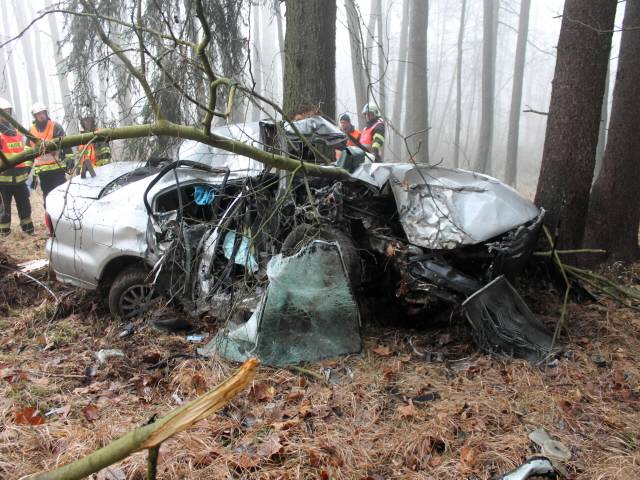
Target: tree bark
{"type": "Point", "coordinates": [278, 14]}
{"type": "Point", "coordinates": [417, 118]}
{"type": "Point", "coordinates": [310, 57]}
{"type": "Point", "coordinates": [256, 60]}
{"type": "Point", "coordinates": [382, 60]}
{"type": "Point", "coordinates": [489, 42]}
{"type": "Point", "coordinates": [511, 171]}
{"type": "Point", "coordinates": [357, 65]}
{"type": "Point", "coordinates": [574, 116]}
{"type": "Point", "coordinates": [401, 79]}
{"type": "Point", "coordinates": [614, 209]}
{"type": "Point", "coordinates": [456, 142]}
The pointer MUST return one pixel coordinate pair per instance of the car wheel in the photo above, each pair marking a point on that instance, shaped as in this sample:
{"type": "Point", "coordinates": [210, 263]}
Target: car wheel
{"type": "Point", "coordinates": [302, 235]}
{"type": "Point", "coordinates": [130, 294]}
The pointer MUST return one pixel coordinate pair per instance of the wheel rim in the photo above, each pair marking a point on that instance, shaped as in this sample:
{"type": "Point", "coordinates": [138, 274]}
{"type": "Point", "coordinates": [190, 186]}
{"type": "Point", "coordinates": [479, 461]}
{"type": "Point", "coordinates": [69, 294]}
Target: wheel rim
{"type": "Point", "coordinates": [135, 300]}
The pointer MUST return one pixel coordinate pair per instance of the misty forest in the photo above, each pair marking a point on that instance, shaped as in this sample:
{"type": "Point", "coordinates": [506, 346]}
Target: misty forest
{"type": "Point", "coordinates": [333, 239]}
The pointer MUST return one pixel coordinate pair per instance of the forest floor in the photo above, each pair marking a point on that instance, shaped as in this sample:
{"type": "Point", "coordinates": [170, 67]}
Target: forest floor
{"type": "Point", "coordinates": [389, 412]}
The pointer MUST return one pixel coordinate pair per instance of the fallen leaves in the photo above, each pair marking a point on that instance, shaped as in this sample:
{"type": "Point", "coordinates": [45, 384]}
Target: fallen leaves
{"type": "Point", "coordinates": [29, 416]}
{"type": "Point", "coordinates": [270, 447]}
{"type": "Point", "coordinates": [91, 412]}
{"type": "Point", "coordinates": [382, 350]}
{"type": "Point", "coordinates": [261, 392]}
{"type": "Point", "coordinates": [406, 411]}
{"type": "Point", "coordinates": [468, 456]}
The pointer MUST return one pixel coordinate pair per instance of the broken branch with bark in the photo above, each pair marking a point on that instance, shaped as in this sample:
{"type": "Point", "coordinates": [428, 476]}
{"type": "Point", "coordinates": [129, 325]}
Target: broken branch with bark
{"type": "Point", "coordinates": [151, 436]}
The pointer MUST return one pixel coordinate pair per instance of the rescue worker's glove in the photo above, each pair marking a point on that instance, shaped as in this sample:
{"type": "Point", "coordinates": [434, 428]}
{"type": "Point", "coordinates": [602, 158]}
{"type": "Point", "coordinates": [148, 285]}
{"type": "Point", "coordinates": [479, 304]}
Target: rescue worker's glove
{"type": "Point", "coordinates": [34, 183]}
{"type": "Point", "coordinates": [71, 165]}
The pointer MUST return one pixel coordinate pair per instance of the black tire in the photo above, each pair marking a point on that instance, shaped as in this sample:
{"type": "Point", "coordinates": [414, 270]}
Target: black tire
{"type": "Point", "coordinates": [302, 235]}
{"type": "Point", "coordinates": [130, 293]}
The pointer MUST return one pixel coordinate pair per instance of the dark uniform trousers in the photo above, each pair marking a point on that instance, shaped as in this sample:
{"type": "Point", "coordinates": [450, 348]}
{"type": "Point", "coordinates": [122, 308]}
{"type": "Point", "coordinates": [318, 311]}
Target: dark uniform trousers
{"type": "Point", "coordinates": [50, 180]}
{"type": "Point", "coordinates": [20, 193]}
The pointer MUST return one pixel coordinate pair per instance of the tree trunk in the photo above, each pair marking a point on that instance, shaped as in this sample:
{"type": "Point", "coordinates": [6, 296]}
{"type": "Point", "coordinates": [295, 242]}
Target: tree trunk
{"type": "Point", "coordinates": [43, 72]}
{"type": "Point", "coordinates": [456, 142]}
{"type": "Point", "coordinates": [614, 209]}
{"type": "Point", "coordinates": [568, 157]}
{"type": "Point", "coordinates": [401, 77]}
{"type": "Point", "coordinates": [511, 171]}
{"type": "Point", "coordinates": [417, 118]}
{"type": "Point", "coordinates": [278, 14]}
{"type": "Point", "coordinates": [256, 60]}
{"type": "Point", "coordinates": [63, 82]}
{"type": "Point", "coordinates": [27, 49]}
{"type": "Point", "coordinates": [382, 59]}
{"type": "Point", "coordinates": [489, 42]}
{"type": "Point", "coordinates": [357, 66]}
{"type": "Point", "coordinates": [16, 88]}
{"type": "Point", "coordinates": [602, 130]}
{"type": "Point", "coordinates": [310, 57]}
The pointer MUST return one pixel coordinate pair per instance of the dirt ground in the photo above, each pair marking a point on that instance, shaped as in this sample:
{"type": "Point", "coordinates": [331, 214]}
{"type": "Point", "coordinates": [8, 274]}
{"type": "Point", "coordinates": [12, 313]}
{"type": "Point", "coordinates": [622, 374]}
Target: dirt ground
{"type": "Point", "coordinates": [416, 404]}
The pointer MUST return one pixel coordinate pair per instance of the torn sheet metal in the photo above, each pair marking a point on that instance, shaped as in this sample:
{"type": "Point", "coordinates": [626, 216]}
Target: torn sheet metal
{"type": "Point", "coordinates": [443, 208]}
{"type": "Point", "coordinates": [317, 130]}
{"type": "Point", "coordinates": [502, 323]}
{"type": "Point", "coordinates": [308, 312]}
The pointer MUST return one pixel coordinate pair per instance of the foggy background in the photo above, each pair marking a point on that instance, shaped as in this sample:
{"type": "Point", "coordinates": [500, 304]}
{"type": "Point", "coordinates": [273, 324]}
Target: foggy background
{"type": "Point", "coordinates": [39, 46]}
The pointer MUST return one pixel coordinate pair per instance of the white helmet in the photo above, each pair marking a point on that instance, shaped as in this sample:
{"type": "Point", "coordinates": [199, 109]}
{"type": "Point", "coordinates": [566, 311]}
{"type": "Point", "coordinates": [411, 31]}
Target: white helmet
{"type": "Point", "coordinates": [38, 107]}
{"type": "Point", "coordinates": [371, 108]}
{"type": "Point", "coordinates": [5, 104]}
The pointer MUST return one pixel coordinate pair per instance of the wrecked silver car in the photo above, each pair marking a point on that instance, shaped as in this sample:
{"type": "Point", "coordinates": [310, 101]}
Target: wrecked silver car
{"type": "Point", "coordinates": [290, 261]}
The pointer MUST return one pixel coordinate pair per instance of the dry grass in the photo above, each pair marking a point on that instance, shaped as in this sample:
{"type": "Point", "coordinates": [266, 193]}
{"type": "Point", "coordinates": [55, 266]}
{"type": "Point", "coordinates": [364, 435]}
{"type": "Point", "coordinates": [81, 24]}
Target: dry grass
{"type": "Point", "coordinates": [293, 426]}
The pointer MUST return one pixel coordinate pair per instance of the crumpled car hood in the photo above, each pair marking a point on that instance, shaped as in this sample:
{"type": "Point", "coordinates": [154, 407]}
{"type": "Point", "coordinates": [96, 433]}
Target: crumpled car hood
{"type": "Point", "coordinates": [443, 208]}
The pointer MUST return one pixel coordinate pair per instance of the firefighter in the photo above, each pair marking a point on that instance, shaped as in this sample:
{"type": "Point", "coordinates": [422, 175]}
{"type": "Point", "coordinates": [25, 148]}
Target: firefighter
{"type": "Point", "coordinates": [372, 136]}
{"type": "Point", "coordinates": [50, 168]}
{"type": "Point", "coordinates": [95, 154]}
{"type": "Point", "coordinates": [347, 127]}
{"type": "Point", "coordinates": [13, 182]}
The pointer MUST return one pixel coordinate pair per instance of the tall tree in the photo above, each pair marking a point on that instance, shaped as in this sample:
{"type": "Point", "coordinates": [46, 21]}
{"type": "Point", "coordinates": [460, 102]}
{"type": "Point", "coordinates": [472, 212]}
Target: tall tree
{"type": "Point", "coordinates": [489, 43]}
{"type": "Point", "coordinates": [417, 118]}
{"type": "Point", "coordinates": [357, 63]}
{"type": "Point", "coordinates": [27, 50]}
{"type": "Point", "coordinates": [602, 131]}
{"type": "Point", "coordinates": [382, 57]}
{"type": "Point", "coordinates": [63, 81]}
{"type": "Point", "coordinates": [310, 57]}
{"type": "Point", "coordinates": [256, 57]}
{"type": "Point", "coordinates": [401, 78]}
{"type": "Point", "coordinates": [456, 142]}
{"type": "Point", "coordinates": [45, 76]}
{"type": "Point", "coordinates": [614, 207]}
{"type": "Point", "coordinates": [16, 88]}
{"type": "Point", "coordinates": [511, 171]}
{"type": "Point", "coordinates": [278, 15]}
{"type": "Point", "coordinates": [568, 157]}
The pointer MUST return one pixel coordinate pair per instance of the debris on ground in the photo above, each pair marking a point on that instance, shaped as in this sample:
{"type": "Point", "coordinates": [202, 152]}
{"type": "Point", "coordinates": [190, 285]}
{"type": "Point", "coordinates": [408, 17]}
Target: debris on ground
{"type": "Point", "coordinates": [102, 356]}
{"type": "Point", "coordinates": [534, 467]}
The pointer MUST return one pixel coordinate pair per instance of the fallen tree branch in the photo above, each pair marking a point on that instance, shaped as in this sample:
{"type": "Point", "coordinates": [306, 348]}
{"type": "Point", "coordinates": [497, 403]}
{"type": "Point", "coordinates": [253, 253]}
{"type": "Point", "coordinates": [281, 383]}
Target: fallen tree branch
{"type": "Point", "coordinates": [151, 436]}
{"type": "Point", "coordinates": [164, 127]}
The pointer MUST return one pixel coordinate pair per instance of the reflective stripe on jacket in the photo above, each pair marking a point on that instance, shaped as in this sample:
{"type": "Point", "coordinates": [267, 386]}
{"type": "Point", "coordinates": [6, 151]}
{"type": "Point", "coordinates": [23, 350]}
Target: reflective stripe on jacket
{"type": "Point", "coordinates": [12, 145]}
{"type": "Point", "coordinates": [48, 161]}
{"type": "Point", "coordinates": [368, 136]}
